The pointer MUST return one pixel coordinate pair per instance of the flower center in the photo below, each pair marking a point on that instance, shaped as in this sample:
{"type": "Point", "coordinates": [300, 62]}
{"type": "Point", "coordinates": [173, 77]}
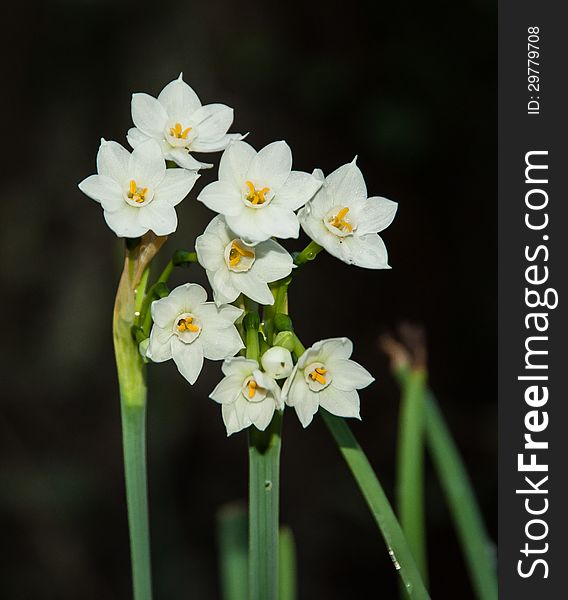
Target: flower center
{"type": "Point", "coordinates": [338, 222]}
{"type": "Point", "coordinates": [187, 327]}
{"type": "Point", "coordinates": [256, 197]}
{"type": "Point", "coordinates": [317, 376]}
{"type": "Point", "coordinates": [178, 132]}
{"type": "Point", "coordinates": [137, 194]}
{"type": "Point", "coordinates": [252, 391]}
{"type": "Point", "coordinates": [238, 256]}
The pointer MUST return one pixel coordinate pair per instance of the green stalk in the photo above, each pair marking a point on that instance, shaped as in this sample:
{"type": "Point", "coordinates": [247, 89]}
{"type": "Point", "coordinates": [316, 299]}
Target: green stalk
{"type": "Point", "coordinates": [475, 542]}
{"type": "Point", "coordinates": [410, 467]}
{"type": "Point", "coordinates": [132, 386]}
{"type": "Point", "coordinates": [287, 585]}
{"type": "Point", "coordinates": [379, 506]}
{"type": "Point", "coordinates": [233, 544]}
{"type": "Point", "coordinates": [264, 483]}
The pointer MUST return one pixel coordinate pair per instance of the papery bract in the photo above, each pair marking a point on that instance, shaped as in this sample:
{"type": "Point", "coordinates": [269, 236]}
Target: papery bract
{"type": "Point", "coordinates": [258, 192]}
{"type": "Point", "coordinates": [233, 267]}
{"type": "Point", "coordinates": [138, 194]}
{"type": "Point", "coordinates": [324, 376]}
{"type": "Point", "coordinates": [188, 329]}
{"type": "Point", "coordinates": [345, 222]}
{"type": "Point", "coordinates": [181, 124]}
{"type": "Point", "coordinates": [247, 396]}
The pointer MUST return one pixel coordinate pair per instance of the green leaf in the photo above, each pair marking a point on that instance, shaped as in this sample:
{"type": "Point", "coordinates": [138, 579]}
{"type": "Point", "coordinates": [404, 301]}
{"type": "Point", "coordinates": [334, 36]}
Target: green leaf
{"type": "Point", "coordinates": [232, 524]}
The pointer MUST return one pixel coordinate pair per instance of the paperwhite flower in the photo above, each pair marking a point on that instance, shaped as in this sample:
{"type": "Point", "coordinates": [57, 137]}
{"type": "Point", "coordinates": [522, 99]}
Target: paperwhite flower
{"type": "Point", "coordinates": [187, 329]}
{"type": "Point", "coordinates": [258, 192]}
{"type": "Point", "coordinates": [324, 376]}
{"type": "Point", "coordinates": [136, 191]}
{"type": "Point", "coordinates": [233, 267]}
{"type": "Point", "coordinates": [247, 396]}
{"type": "Point", "coordinates": [345, 222]}
{"type": "Point", "coordinates": [178, 121]}
{"type": "Point", "coordinates": [277, 362]}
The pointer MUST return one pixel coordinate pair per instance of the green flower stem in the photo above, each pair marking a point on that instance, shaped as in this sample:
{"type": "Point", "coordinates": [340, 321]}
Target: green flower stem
{"type": "Point", "coordinates": [308, 253]}
{"type": "Point", "coordinates": [410, 466]}
{"type": "Point", "coordinates": [475, 542]}
{"type": "Point", "coordinates": [233, 545]}
{"type": "Point", "coordinates": [264, 483]}
{"type": "Point", "coordinates": [379, 506]}
{"type": "Point", "coordinates": [132, 385]}
{"type": "Point", "coordinates": [287, 585]}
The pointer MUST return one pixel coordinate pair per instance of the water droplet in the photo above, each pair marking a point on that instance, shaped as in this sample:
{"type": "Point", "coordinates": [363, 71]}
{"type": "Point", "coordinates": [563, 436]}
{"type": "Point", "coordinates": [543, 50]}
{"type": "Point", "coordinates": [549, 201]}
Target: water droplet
{"type": "Point", "coordinates": [394, 561]}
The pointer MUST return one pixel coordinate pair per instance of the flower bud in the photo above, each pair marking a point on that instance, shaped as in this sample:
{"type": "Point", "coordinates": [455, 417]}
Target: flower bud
{"type": "Point", "coordinates": [283, 322]}
{"type": "Point", "coordinates": [277, 362]}
{"type": "Point", "coordinates": [285, 339]}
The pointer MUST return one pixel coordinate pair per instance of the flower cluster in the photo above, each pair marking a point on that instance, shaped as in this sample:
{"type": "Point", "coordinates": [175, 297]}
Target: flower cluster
{"type": "Point", "coordinates": [259, 199]}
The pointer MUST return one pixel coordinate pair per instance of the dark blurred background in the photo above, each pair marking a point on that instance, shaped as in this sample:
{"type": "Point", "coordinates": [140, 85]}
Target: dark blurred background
{"type": "Point", "coordinates": [410, 88]}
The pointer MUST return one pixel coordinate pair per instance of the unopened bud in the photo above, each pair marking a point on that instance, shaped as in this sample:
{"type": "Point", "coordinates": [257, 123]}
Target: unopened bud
{"type": "Point", "coordinates": [277, 362]}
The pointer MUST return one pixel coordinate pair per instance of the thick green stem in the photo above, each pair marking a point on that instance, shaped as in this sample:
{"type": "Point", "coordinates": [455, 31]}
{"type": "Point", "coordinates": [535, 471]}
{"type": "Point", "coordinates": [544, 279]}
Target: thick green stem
{"type": "Point", "coordinates": [379, 506]}
{"type": "Point", "coordinates": [475, 542]}
{"type": "Point", "coordinates": [410, 467]}
{"type": "Point", "coordinates": [287, 579]}
{"type": "Point", "coordinates": [233, 546]}
{"type": "Point", "coordinates": [308, 253]}
{"type": "Point", "coordinates": [132, 385]}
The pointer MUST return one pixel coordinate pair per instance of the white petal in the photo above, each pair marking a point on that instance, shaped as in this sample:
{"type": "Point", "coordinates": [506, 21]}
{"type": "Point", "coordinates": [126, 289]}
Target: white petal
{"type": "Point", "coordinates": [161, 219]}
{"type": "Point", "coordinates": [212, 121]}
{"type": "Point", "coordinates": [148, 115]}
{"type": "Point", "coordinates": [230, 418]}
{"type": "Point", "coordinates": [250, 285]}
{"type": "Point", "coordinates": [239, 365]}
{"type": "Point", "coordinates": [375, 214]}
{"type": "Point", "coordinates": [367, 251]}
{"type": "Point", "coordinates": [188, 358]}
{"type": "Point", "coordinates": [272, 165]}
{"type": "Point", "coordinates": [298, 189]}
{"type": "Point", "coordinates": [347, 184]}
{"type": "Point", "coordinates": [222, 284]}
{"type": "Point", "coordinates": [305, 402]}
{"type": "Point", "coordinates": [272, 262]}
{"type": "Point", "coordinates": [265, 414]}
{"type": "Point", "coordinates": [105, 190]}
{"type": "Point", "coordinates": [112, 161]}
{"type": "Point", "coordinates": [339, 403]}
{"type": "Point", "coordinates": [179, 100]}
{"type": "Point", "coordinates": [176, 185]}
{"type": "Point", "coordinates": [230, 313]}
{"type": "Point", "coordinates": [222, 197]}
{"type": "Point", "coordinates": [136, 137]}
{"type": "Point", "coordinates": [349, 375]}
{"type": "Point", "coordinates": [333, 349]}
{"type": "Point", "coordinates": [183, 159]}
{"type": "Point", "coordinates": [220, 343]}
{"type": "Point", "coordinates": [203, 145]}
{"type": "Point", "coordinates": [227, 389]}
{"type": "Point", "coordinates": [160, 347]}
{"type": "Point", "coordinates": [125, 222]}
{"type": "Point", "coordinates": [246, 224]}
{"type": "Point", "coordinates": [278, 221]}
{"type": "Point", "coordinates": [210, 246]}
{"type": "Point", "coordinates": [235, 163]}
{"type": "Point", "coordinates": [182, 299]}
{"type": "Point", "coordinates": [147, 166]}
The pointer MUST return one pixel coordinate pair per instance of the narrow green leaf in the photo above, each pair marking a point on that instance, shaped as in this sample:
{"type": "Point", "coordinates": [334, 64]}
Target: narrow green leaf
{"type": "Point", "coordinates": [232, 526]}
{"type": "Point", "coordinates": [379, 506]}
{"type": "Point", "coordinates": [287, 566]}
{"type": "Point", "coordinates": [475, 542]}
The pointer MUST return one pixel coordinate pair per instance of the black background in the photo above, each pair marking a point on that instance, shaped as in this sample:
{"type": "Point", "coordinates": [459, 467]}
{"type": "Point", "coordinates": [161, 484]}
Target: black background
{"type": "Point", "coordinates": [409, 88]}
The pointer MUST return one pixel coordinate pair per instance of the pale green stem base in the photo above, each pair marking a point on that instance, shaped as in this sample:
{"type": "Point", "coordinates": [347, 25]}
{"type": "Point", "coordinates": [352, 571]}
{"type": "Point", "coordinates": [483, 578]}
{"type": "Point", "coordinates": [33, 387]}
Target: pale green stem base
{"type": "Point", "coordinates": [233, 552]}
{"type": "Point", "coordinates": [287, 566]}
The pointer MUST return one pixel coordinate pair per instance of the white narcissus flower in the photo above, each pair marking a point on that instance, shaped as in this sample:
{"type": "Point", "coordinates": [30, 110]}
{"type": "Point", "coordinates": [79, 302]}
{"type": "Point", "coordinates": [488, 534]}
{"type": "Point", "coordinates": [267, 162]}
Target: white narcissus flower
{"type": "Point", "coordinates": [187, 328]}
{"type": "Point", "coordinates": [324, 376]}
{"type": "Point", "coordinates": [179, 122]}
{"type": "Point", "coordinates": [233, 267]}
{"type": "Point", "coordinates": [277, 362]}
{"type": "Point", "coordinates": [258, 192]}
{"type": "Point", "coordinates": [345, 222]}
{"type": "Point", "coordinates": [247, 396]}
{"type": "Point", "coordinates": [136, 190]}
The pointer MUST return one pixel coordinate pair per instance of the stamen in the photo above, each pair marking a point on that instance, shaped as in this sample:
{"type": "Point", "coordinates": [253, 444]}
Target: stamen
{"type": "Point", "coordinates": [252, 385]}
{"type": "Point", "coordinates": [236, 253]}
{"type": "Point", "coordinates": [177, 132]}
{"type": "Point", "coordinates": [339, 220]}
{"type": "Point", "coordinates": [318, 375]}
{"type": "Point", "coordinates": [256, 196]}
{"type": "Point", "coordinates": [135, 193]}
{"type": "Point", "coordinates": [186, 324]}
